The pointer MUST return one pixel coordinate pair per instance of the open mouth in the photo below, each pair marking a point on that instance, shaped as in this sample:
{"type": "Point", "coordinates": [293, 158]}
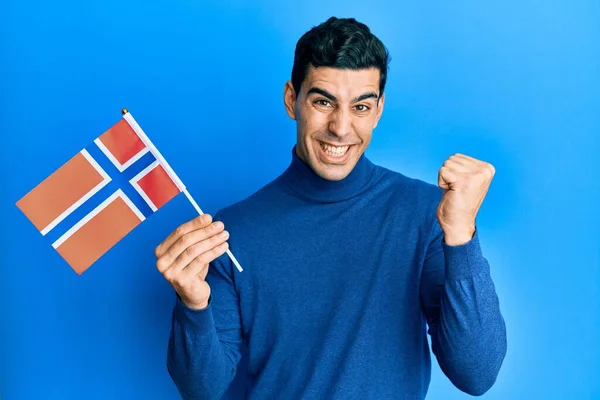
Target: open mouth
{"type": "Point", "coordinates": [334, 154]}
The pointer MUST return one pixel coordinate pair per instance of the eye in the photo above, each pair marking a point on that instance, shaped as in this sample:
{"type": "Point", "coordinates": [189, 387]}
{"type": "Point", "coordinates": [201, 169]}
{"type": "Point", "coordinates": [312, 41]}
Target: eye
{"type": "Point", "coordinates": [362, 108]}
{"type": "Point", "coordinates": [322, 102]}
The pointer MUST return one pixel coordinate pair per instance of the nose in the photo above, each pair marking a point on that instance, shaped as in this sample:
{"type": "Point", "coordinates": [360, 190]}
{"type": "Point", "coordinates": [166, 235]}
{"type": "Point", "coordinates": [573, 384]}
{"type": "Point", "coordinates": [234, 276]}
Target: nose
{"type": "Point", "coordinates": [340, 123]}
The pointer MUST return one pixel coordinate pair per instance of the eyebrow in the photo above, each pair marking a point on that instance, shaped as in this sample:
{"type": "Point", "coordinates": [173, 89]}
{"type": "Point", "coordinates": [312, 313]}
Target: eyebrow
{"type": "Point", "coordinates": [331, 97]}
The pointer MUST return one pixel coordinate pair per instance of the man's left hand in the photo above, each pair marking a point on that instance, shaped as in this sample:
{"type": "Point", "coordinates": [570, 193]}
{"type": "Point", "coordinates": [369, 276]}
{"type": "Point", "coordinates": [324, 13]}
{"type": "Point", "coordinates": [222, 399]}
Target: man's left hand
{"type": "Point", "coordinates": [466, 181]}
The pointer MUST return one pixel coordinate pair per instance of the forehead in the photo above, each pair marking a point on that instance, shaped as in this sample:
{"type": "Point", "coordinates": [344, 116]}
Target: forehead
{"type": "Point", "coordinates": [343, 82]}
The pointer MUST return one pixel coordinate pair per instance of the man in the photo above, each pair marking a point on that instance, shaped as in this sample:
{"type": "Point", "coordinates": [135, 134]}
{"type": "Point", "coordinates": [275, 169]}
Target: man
{"type": "Point", "coordinates": [345, 263]}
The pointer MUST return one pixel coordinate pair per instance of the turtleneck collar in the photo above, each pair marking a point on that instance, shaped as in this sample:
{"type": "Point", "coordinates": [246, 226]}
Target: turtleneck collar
{"type": "Point", "coordinates": [301, 179]}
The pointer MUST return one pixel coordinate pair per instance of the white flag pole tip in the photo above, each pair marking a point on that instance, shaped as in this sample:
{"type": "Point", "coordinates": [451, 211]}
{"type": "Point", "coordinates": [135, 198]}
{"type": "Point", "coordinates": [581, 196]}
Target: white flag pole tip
{"type": "Point", "coordinates": [142, 135]}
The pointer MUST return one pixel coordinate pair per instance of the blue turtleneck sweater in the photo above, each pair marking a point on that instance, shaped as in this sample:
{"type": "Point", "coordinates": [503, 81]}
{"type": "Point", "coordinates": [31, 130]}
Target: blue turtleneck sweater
{"type": "Point", "coordinates": [341, 283]}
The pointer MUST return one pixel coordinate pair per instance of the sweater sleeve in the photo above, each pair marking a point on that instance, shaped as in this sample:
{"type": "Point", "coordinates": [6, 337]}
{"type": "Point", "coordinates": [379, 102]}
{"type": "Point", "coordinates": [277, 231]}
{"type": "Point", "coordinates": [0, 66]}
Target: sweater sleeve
{"type": "Point", "coordinates": [467, 330]}
{"type": "Point", "coordinates": [205, 345]}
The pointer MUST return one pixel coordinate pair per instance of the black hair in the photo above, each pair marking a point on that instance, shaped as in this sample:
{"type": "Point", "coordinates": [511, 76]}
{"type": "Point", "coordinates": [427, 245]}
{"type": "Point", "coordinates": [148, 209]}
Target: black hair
{"type": "Point", "coordinates": [341, 43]}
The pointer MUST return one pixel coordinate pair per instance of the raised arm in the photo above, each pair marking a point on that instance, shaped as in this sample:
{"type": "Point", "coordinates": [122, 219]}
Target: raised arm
{"type": "Point", "coordinates": [459, 299]}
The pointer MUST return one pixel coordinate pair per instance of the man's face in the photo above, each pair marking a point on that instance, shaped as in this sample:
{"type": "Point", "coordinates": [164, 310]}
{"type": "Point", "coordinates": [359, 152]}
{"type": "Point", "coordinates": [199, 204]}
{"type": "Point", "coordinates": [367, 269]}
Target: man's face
{"type": "Point", "coordinates": [335, 112]}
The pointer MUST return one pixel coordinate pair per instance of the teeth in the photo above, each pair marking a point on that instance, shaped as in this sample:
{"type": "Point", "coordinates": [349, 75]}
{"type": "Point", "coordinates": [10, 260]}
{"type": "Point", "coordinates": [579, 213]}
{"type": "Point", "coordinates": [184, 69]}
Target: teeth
{"type": "Point", "coordinates": [336, 151]}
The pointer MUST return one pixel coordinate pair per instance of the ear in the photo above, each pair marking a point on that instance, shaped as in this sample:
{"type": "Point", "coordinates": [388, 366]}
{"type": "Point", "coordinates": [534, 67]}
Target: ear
{"type": "Point", "coordinates": [379, 109]}
{"type": "Point", "coordinates": [289, 99]}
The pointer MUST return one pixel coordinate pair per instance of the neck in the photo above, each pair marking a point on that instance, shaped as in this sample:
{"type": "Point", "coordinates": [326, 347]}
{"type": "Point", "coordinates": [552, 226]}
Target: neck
{"type": "Point", "coordinates": [305, 182]}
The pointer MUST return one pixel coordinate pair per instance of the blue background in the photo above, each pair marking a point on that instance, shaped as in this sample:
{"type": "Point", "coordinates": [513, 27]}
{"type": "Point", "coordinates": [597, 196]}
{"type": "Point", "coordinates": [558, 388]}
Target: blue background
{"type": "Point", "coordinates": [515, 83]}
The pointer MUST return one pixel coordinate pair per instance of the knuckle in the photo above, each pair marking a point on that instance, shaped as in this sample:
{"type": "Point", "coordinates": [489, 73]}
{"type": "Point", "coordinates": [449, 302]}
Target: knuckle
{"type": "Point", "coordinates": [209, 230]}
{"type": "Point", "coordinates": [204, 219]}
{"type": "Point", "coordinates": [214, 253]}
{"type": "Point", "coordinates": [171, 254]}
{"type": "Point", "coordinates": [482, 178]}
{"type": "Point", "coordinates": [186, 240]}
{"type": "Point", "coordinates": [160, 265]}
{"type": "Point", "coordinates": [179, 231]}
{"type": "Point", "coordinates": [195, 261]}
{"type": "Point", "coordinates": [484, 172]}
{"type": "Point", "coordinates": [203, 258]}
{"type": "Point", "coordinates": [168, 274]}
{"type": "Point", "coordinates": [189, 252]}
{"type": "Point", "coordinates": [216, 239]}
{"type": "Point", "coordinates": [206, 231]}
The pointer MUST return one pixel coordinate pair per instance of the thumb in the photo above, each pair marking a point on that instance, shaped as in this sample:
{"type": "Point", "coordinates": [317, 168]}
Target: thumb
{"type": "Point", "coordinates": [446, 178]}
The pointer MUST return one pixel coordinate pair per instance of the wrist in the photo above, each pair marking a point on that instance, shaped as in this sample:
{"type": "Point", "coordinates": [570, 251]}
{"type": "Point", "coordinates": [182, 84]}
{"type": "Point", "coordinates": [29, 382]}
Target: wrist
{"type": "Point", "coordinates": [458, 237]}
{"type": "Point", "coordinates": [196, 306]}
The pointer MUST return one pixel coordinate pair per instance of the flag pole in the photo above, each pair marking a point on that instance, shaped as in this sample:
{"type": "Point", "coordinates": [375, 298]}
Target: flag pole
{"type": "Point", "coordinates": [134, 125]}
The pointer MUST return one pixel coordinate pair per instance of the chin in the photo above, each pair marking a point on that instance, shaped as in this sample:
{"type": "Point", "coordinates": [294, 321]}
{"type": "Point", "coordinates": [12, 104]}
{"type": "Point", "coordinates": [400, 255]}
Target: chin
{"type": "Point", "coordinates": [333, 174]}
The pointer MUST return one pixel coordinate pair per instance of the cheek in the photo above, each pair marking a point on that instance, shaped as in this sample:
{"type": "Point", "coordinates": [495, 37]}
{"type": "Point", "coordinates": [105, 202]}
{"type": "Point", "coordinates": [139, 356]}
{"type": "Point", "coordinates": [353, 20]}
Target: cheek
{"type": "Point", "coordinates": [364, 128]}
{"type": "Point", "coordinates": [313, 121]}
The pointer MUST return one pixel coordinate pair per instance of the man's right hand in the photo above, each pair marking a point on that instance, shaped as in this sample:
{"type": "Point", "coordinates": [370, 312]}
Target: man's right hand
{"type": "Point", "coordinates": [183, 258]}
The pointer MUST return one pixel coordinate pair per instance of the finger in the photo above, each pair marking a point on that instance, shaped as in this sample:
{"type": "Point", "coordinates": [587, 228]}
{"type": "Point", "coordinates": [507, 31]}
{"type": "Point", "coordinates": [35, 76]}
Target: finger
{"type": "Point", "coordinates": [199, 266]}
{"type": "Point", "coordinates": [446, 178]}
{"type": "Point", "coordinates": [195, 269]}
{"type": "Point", "coordinates": [196, 223]}
{"type": "Point", "coordinates": [466, 158]}
{"type": "Point", "coordinates": [458, 164]}
{"type": "Point", "coordinates": [474, 163]}
{"type": "Point", "coordinates": [186, 244]}
{"type": "Point", "coordinates": [194, 251]}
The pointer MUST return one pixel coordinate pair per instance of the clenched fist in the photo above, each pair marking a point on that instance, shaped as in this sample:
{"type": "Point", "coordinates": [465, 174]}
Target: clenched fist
{"type": "Point", "coordinates": [466, 181]}
{"type": "Point", "coordinates": [183, 258]}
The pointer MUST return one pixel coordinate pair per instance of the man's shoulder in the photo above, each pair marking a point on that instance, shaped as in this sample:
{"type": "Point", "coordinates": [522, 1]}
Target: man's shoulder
{"type": "Point", "coordinates": [256, 205]}
{"type": "Point", "coordinates": [411, 197]}
{"type": "Point", "coordinates": [410, 187]}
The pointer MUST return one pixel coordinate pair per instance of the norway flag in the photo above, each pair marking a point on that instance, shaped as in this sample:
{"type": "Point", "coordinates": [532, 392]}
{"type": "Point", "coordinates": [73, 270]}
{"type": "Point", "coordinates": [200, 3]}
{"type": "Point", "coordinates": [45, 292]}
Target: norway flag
{"type": "Point", "coordinates": [101, 194]}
